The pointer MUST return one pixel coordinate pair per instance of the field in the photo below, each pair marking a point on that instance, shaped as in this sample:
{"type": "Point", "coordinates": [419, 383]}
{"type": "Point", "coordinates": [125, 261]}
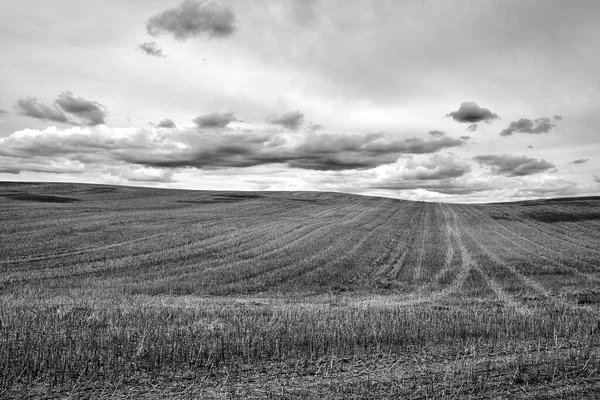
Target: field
{"type": "Point", "coordinates": [116, 292]}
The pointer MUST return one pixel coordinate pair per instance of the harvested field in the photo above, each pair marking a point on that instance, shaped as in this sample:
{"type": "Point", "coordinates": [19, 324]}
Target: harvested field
{"type": "Point", "coordinates": [120, 291]}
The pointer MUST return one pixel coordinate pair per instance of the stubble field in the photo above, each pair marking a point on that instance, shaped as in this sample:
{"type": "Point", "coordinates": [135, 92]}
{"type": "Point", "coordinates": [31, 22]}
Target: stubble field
{"type": "Point", "coordinates": [112, 292]}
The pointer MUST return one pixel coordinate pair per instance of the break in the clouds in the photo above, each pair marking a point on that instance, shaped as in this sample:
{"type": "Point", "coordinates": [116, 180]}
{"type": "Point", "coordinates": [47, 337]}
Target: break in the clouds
{"type": "Point", "coordinates": [193, 18]}
{"type": "Point", "coordinates": [509, 165]}
{"type": "Point", "coordinates": [214, 120]}
{"type": "Point", "coordinates": [436, 133]}
{"type": "Point", "coordinates": [526, 125]}
{"type": "Point", "coordinates": [291, 120]}
{"type": "Point", "coordinates": [580, 161]}
{"type": "Point", "coordinates": [472, 113]}
{"type": "Point", "coordinates": [152, 49]}
{"type": "Point", "coordinates": [66, 108]}
{"type": "Point", "coordinates": [143, 174]}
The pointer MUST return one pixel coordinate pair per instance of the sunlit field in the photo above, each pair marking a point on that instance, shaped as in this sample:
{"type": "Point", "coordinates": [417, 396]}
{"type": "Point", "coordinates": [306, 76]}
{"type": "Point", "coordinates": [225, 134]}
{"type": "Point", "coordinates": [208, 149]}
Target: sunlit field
{"type": "Point", "coordinates": [109, 292]}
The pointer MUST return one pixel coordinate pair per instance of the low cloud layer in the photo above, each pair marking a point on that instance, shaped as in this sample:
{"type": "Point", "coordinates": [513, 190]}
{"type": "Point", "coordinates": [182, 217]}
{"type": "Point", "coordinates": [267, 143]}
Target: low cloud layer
{"type": "Point", "coordinates": [470, 112]}
{"type": "Point", "coordinates": [217, 148]}
{"type": "Point", "coordinates": [193, 18]}
{"type": "Point", "coordinates": [509, 165]}
{"type": "Point", "coordinates": [152, 49]}
{"type": "Point", "coordinates": [291, 120]}
{"type": "Point", "coordinates": [66, 109]}
{"type": "Point", "coordinates": [214, 120]}
{"type": "Point", "coordinates": [526, 125]}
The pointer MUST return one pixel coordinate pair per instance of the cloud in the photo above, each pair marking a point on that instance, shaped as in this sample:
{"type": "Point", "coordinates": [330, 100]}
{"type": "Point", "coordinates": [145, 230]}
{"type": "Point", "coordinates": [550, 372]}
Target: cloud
{"type": "Point", "coordinates": [580, 161]}
{"type": "Point", "coordinates": [3, 111]}
{"type": "Point", "coordinates": [465, 137]}
{"type": "Point", "coordinates": [437, 133]}
{"type": "Point", "coordinates": [91, 112]}
{"type": "Point", "coordinates": [66, 109]}
{"type": "Point", "coordinates": [214, 120]}
{"type": "Point", "coordinates": [470, 112]}
{"type": "Point", "coordinates": [166, 123]}
{"type": "Point", "coordinates": [526, 125]}
{"type": "Point", "coordinates": [152, 49]}
{"type": "Point", "coordinates": [597, 178]}
{"type": "Point", "coordinates": [472, 128]}
{"type": "Point", "coordinates": [509, 165]}
{"type": "Point", "coordinates": [217, 148]}
{"type": "Point", "coordinates": [439, 166]}
{"type": "Point", "coordinates": [557, 117]}
{"type": "Point", "coordinates": [32, 107]}
{"type": "Point", "coordinates": [193, 18]}
{"type": "Point", "coordinates": [291, 120]}
{"type": "Point", "coordinates": [314, 127]}
{"type": "Point", "coordinates": [57, 165]}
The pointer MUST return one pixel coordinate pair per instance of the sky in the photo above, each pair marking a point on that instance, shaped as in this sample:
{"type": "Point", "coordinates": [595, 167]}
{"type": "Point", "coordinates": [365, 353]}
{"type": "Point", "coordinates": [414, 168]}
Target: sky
{"type": "Point", "coordinates": [454, 101]}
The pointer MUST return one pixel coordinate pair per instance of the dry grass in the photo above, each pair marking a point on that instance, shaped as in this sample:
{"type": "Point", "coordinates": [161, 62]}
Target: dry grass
{"type": "Point", "coordinates": [128, 292]}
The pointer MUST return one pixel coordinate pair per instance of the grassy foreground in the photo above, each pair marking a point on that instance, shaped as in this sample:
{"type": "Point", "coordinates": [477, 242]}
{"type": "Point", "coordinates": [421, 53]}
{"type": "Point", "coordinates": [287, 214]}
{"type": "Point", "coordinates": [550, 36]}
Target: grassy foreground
{"type": "Point", "coordinates": [112, 292]}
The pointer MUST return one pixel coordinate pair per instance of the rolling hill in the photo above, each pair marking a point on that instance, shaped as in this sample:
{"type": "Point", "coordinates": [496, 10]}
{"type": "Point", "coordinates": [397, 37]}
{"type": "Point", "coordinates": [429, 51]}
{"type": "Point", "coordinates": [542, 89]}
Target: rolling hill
{"type": "Point", "coordinates": [104, 283]}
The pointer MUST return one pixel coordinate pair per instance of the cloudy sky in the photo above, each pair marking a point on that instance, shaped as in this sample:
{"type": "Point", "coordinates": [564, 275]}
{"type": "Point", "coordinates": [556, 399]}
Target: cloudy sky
{"type": "Point", "coordinates": [456, 101]}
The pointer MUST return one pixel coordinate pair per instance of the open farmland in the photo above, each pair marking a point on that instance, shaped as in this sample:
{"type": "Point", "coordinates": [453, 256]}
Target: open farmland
{"type": "Point", "coordinates": [119, 291]}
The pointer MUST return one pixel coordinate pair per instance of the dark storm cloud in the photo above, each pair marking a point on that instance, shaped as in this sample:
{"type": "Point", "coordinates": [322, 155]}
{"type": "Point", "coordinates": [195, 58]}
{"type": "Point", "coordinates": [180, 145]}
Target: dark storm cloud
{"type": "Point", "coordinates": [580, 161]}
{"type": "Point", "coordinates": [193, 18]}
{"type": "Point", "coordinates": [435, 133]}
{"type": "Point", "coordinates": [470, 112]}
{"type": "Point", "coordinates": [472, 128]}
{"type": "Point", "coordinates": [509, 165]}
{"type": "Point", "coordinates": [291, 120]}
{"type": "Point", "coordinates": [32, 107]}
{"type": "Point", "coordinates": [557, 117]}
{"type": "Point", "coordinates": [152, 49]}
{"type": "Point", "coordinates": [90, 112]}
{"type": "Point", "coordinates": [526, 125]}
{"type": "Point", "coordinates": [214, 120]}
{"type": "Point", "coordinates": [166, 123]}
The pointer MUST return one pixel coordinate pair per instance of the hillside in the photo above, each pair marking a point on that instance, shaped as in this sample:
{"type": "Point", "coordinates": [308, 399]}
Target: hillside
{"type": "Point", "coordinates": [337, 276]}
